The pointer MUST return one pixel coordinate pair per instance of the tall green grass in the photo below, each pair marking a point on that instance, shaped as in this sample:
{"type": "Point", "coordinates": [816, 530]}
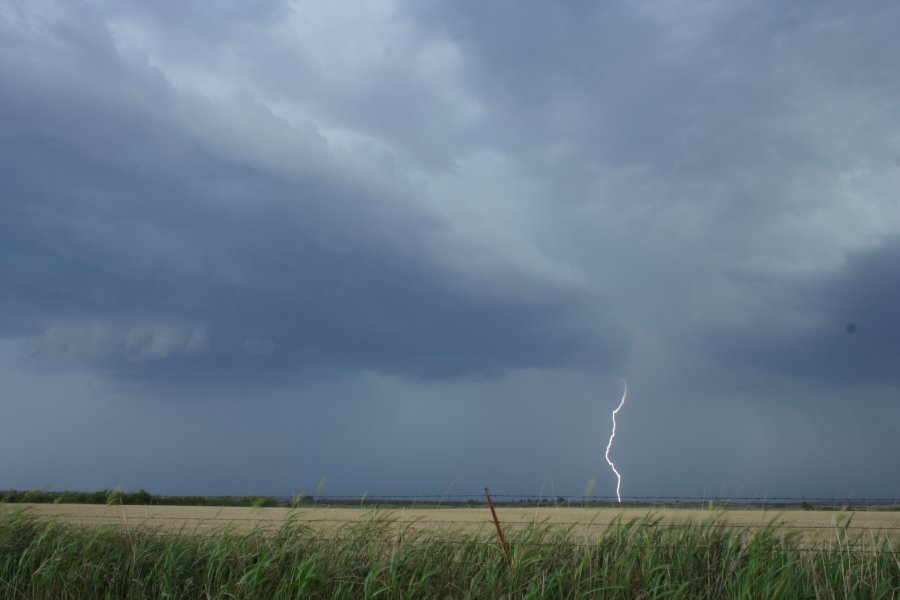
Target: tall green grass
{"type": "Point", "coordinates": [637, 559]}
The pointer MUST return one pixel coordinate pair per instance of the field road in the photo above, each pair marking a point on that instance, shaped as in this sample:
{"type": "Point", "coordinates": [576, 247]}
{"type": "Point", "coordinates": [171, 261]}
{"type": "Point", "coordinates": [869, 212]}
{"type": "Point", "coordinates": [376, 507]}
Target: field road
{"type": "Point", "coordinates": [814, 526]}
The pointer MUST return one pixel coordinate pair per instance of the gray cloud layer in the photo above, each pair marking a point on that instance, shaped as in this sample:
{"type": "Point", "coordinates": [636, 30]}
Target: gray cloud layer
{"type": "Point", "coordinates": [479, 205]}
{"type": "Point", "coordinates": [145, 225]}
{"type": "Point", "coordinates": [839, 326]}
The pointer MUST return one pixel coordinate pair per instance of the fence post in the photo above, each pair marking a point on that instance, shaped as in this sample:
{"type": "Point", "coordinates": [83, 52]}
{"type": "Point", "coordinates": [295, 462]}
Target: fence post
{"type": "Point", "coordinates": [487, 492]}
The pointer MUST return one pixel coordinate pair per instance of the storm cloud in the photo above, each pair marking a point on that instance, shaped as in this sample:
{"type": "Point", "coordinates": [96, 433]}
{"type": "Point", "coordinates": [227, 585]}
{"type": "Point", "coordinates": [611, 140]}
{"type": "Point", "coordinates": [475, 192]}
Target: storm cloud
{"type": "Point", "coordinates": [392, 224]}
{"type": "Point", "coordinates": [845, 319]}
{"type": "Point", "coordinates": [148, 228]}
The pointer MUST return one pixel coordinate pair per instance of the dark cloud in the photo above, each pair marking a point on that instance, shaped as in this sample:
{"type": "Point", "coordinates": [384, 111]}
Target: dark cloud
{"type": "Point", "coordinates": [148, 229]}
{"type": "Point", "coordinates": [353, 216]}
{"type": "Point", "coordinates": [841, 326]}
{"type": "Point", "coordinates": [726, 110]}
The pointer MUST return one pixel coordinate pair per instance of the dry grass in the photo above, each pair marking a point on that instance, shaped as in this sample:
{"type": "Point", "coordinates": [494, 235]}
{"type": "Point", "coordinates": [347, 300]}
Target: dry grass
{"type": "Point", "coordinates": [813, 527]}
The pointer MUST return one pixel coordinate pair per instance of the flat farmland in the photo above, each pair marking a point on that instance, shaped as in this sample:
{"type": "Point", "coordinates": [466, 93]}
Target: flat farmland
{"type": "Point", "coordinates": [74, 550]}
{"type": "Point", "coordinates": [811, 526]}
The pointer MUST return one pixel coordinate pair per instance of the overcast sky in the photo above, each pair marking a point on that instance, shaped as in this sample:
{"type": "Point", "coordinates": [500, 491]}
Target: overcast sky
{"type": "Point", "coordinates": [414, 246]}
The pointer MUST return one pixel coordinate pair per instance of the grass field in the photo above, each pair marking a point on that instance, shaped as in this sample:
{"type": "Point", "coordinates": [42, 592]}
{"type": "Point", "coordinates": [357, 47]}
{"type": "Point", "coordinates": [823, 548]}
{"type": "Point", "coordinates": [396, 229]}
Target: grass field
{"type": "Point", "coordinates": [77, 551]}
{"type": "Point", "coordinates": [809, 526]}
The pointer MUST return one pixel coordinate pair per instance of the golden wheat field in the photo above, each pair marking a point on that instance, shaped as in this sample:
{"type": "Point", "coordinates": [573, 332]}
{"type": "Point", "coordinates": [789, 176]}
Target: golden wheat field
{"type": "Point", "coordinates": [812, 526]}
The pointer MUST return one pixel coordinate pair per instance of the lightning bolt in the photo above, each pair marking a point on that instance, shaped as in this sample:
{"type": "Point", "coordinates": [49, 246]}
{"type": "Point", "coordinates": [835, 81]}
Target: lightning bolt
{"type": "Point", "coordinates": [612, 437]}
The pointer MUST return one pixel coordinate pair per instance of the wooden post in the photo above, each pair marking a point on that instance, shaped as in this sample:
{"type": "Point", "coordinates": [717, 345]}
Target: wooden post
{"type": "Point", "coordinates": [487, 492]}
